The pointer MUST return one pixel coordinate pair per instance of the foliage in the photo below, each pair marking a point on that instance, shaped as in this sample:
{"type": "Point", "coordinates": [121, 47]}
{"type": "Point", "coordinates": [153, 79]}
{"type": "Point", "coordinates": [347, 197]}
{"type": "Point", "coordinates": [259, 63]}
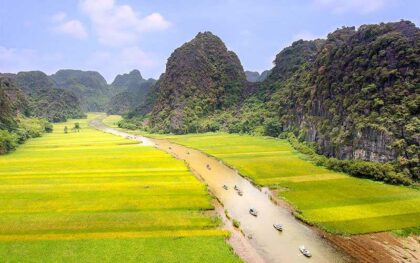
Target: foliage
{"type": "Point", "coordinates": [355, 95]}
{"type": "Point", "coordinates": [131, 91]}
{"type": "Point", "coordinates": [376, 171]}
{"type": "Point", "coordinates": [332, 200]}
{"type": "Point", "coordinates": [236, 223]}
{"type": "Point", "coordinates": [202, 77]}
{"type": "Point", "coordinates": [15, 127]}
{"type": "Point", "coordinates": [89, 87]}
{"type": "Point", "coordinates": [45, 99]}
{"type": "Point", "coordinates": [99, 193]}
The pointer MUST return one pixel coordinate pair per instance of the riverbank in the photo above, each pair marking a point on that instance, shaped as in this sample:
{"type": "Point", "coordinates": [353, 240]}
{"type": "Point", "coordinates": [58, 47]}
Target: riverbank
{"type": "Point", "coordinates": [336, 190]}
{"type": "Point", "coordinates": [268, 242]}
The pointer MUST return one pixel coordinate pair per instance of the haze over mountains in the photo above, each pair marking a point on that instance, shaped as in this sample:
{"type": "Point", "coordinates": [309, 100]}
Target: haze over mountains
{"type": "Point", "coordinates": [355, 95]}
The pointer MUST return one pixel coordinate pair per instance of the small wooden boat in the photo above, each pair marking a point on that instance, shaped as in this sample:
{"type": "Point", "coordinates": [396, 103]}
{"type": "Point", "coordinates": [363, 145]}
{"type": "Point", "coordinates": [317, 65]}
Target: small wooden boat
{"type": "Point", "coordinates": [253, 212]}
{"type": "Point", "coordinates": [278, 227]}
{"type": "Point", "coordinates": [305, 251]}
{"type": "Point", "coordinates": [225, 187]}
{"type": "Point", "coordinates": [236, 187]}
{"type": "Point", "coordinates": [208, 166]}
{"type": "Point", "coordinates": [240, 193]}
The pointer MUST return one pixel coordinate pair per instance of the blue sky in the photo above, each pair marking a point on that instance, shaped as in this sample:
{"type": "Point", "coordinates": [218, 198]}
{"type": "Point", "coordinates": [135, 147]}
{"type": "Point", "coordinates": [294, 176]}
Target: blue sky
{"type": "Point", "coordinates": [115, 36]}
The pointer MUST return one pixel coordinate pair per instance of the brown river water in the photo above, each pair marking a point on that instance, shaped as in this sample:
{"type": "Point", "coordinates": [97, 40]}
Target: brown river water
{"type": "Point", "coordinates": [270, 244]}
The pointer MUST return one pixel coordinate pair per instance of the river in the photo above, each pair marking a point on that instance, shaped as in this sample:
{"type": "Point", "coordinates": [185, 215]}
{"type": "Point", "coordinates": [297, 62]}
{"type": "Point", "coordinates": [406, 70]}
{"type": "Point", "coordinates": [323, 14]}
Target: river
{"type": "Point", "coordinates": [270, 244]}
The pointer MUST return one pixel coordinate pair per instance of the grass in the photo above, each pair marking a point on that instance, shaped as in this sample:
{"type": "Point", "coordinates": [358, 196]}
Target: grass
{"type": "Point", "coordinates": [93, 197]}
{"type": "Point", "coordinates": [334, 201]}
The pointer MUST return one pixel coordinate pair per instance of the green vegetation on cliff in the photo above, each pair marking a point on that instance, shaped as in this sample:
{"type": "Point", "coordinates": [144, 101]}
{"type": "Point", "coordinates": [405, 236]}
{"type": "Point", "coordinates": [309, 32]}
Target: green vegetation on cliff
{"type": "Point", "coordinates": [355, 95]}
{"type": "Point", "coordinates": [16, 126]}
{"type": "Point", "coordinates": [201, 76]}
{"type": "Point", "coordinates": [130, 92]}
{"type": "Point", "coordinates": [45, 99]}
{"type": "Point", "coordinates": [90, 87]}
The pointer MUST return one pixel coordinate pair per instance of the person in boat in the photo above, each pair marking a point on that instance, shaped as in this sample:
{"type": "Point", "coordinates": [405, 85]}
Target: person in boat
{"type": "Point", "coordinates": [225, 187]}
{"type": "Point", "coordinates": [305, 251]}
{"type": "Point", "coordinates": [253, 212]}
{"type": "Point", "coordinates": [278, 227]}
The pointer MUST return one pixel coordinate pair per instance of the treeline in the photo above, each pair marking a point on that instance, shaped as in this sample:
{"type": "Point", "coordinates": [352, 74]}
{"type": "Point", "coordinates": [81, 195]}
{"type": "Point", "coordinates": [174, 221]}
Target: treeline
{"type": "Point", "coordinates": [386, 172]}
{"type": "Point", "coordinates": [354, 95]}
{"type": "Point", "coordinates": [16, 125]}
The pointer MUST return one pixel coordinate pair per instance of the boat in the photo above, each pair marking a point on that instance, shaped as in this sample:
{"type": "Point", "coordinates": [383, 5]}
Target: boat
{"type": "Point", "coordinates": [236, 187]}
{"type": "Point", "coordinates": [225, 187]}
{"type": "Point", "coordinates": [240, 193]}
{"type": "Point", "coordinates": [278, 227]}
{"type": "Point", "coordinates": [305, 251]}
{"type": "Point", "coordinates": [253, 212]}
{"type": "Point", "coordinates": [208, 166]}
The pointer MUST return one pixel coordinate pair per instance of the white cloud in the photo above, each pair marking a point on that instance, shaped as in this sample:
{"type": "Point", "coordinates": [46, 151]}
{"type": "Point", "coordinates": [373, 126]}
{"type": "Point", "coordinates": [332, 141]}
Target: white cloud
{"type": "Point", "coordinates": [359, 6]}
{"type": "Point", "coordinates": [13, 60]}
{"type": "Point", "coordinates": [63, 25]}
{"type": "Point", "coordinates": [120, 25]}
{"type": "Point", "coordinates": [72, 28]}
{"type": "Point", "coordinates": [59, 17]}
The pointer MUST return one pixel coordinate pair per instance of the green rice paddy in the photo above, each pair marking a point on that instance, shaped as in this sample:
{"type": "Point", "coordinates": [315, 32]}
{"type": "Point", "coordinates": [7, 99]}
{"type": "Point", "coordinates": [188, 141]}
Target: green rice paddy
{"type": "Point", "coordinates": [334, 201]}
{"type": "Point", "coordinates": [89, 196]}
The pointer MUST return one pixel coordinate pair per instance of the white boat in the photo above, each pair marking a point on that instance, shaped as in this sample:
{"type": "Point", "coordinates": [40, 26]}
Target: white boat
{"type": "Point", "coordinates": [253, 212]}
{"type": "Point", "coordinates": [305, 251]}
{"type": "Point", "coordinates": [236, 187]}
{"type": "Point", "coordinates": [225, 187]}
{"type": "Point", "coordinates": [240, 192]}
{"type": "Point", "coordinates": [278, 227]}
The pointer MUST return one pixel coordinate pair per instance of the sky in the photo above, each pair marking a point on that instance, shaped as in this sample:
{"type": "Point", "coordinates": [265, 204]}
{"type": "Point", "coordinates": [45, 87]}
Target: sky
{"type": "Point", "coordinates": [115, 36]}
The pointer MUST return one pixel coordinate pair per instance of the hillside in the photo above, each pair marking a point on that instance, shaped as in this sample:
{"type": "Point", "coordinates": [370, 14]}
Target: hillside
{"type": "Point", "coordinates": [16, 126]}
{"type": "Point", "coordinates": [131, 90]}
{"type": "Point", "coordinates": [90, 87]}
{"type": "Point", "coordinates": [357, 95]}
{"type": "Point", "coordinates": [45, 99]}
{"type": "Point", "coordinates": [201, 76]}
{"type": "Point", "coordinates": [254, 76]}
{"type": "Point", "coordinates": [354, 95]}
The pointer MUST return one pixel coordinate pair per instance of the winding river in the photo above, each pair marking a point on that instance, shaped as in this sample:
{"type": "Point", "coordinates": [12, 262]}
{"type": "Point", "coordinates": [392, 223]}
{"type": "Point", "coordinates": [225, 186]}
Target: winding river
{"type": "Point", "coordinates": [270, 244]}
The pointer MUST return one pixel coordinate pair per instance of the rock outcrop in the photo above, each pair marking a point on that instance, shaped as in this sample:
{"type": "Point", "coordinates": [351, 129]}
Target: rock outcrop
{"type": "Point", "coordinates": [131, 91]}
{"type": "Point", "coordinates": [201, 76]}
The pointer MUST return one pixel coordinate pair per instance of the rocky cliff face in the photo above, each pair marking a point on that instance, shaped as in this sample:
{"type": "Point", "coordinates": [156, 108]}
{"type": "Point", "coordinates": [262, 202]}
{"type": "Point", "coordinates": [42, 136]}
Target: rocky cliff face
{"type": "Point", "coordinates": [12, 102]}
{"type": "Point", "coordinates": [357, 94]}
{"type": "Point", "coordinates": [201, 76]}
{"type": "Point", "coordinates": [253, 76]}
{"type": "Point", "coordinates": [131, 91]}
{"type": "Point", "coordinates": [90, 87]}
{"type": "Point", "coordinates": [45, 100]}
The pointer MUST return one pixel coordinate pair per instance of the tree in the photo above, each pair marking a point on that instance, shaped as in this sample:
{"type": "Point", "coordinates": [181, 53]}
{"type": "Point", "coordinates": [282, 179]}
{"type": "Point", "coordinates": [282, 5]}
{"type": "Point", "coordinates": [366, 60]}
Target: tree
{"type": "Point", "coordinates": [76, 127]}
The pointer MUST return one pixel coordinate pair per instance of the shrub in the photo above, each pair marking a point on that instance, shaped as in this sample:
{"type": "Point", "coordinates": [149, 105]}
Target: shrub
{"type": "Point", "coordinates": [8, 141]}
{"type": "Point", "coordinates": [236, 223]}
{"type": "Point", "coordinates": [385, 172]}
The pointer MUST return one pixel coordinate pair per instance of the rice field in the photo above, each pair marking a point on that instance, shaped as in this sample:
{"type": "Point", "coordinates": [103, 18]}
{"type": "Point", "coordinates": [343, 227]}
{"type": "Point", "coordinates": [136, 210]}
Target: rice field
{"type": "Point", "coordinates": [334, 201]}
{"type": "Point", "coordinates": [89, 196]}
